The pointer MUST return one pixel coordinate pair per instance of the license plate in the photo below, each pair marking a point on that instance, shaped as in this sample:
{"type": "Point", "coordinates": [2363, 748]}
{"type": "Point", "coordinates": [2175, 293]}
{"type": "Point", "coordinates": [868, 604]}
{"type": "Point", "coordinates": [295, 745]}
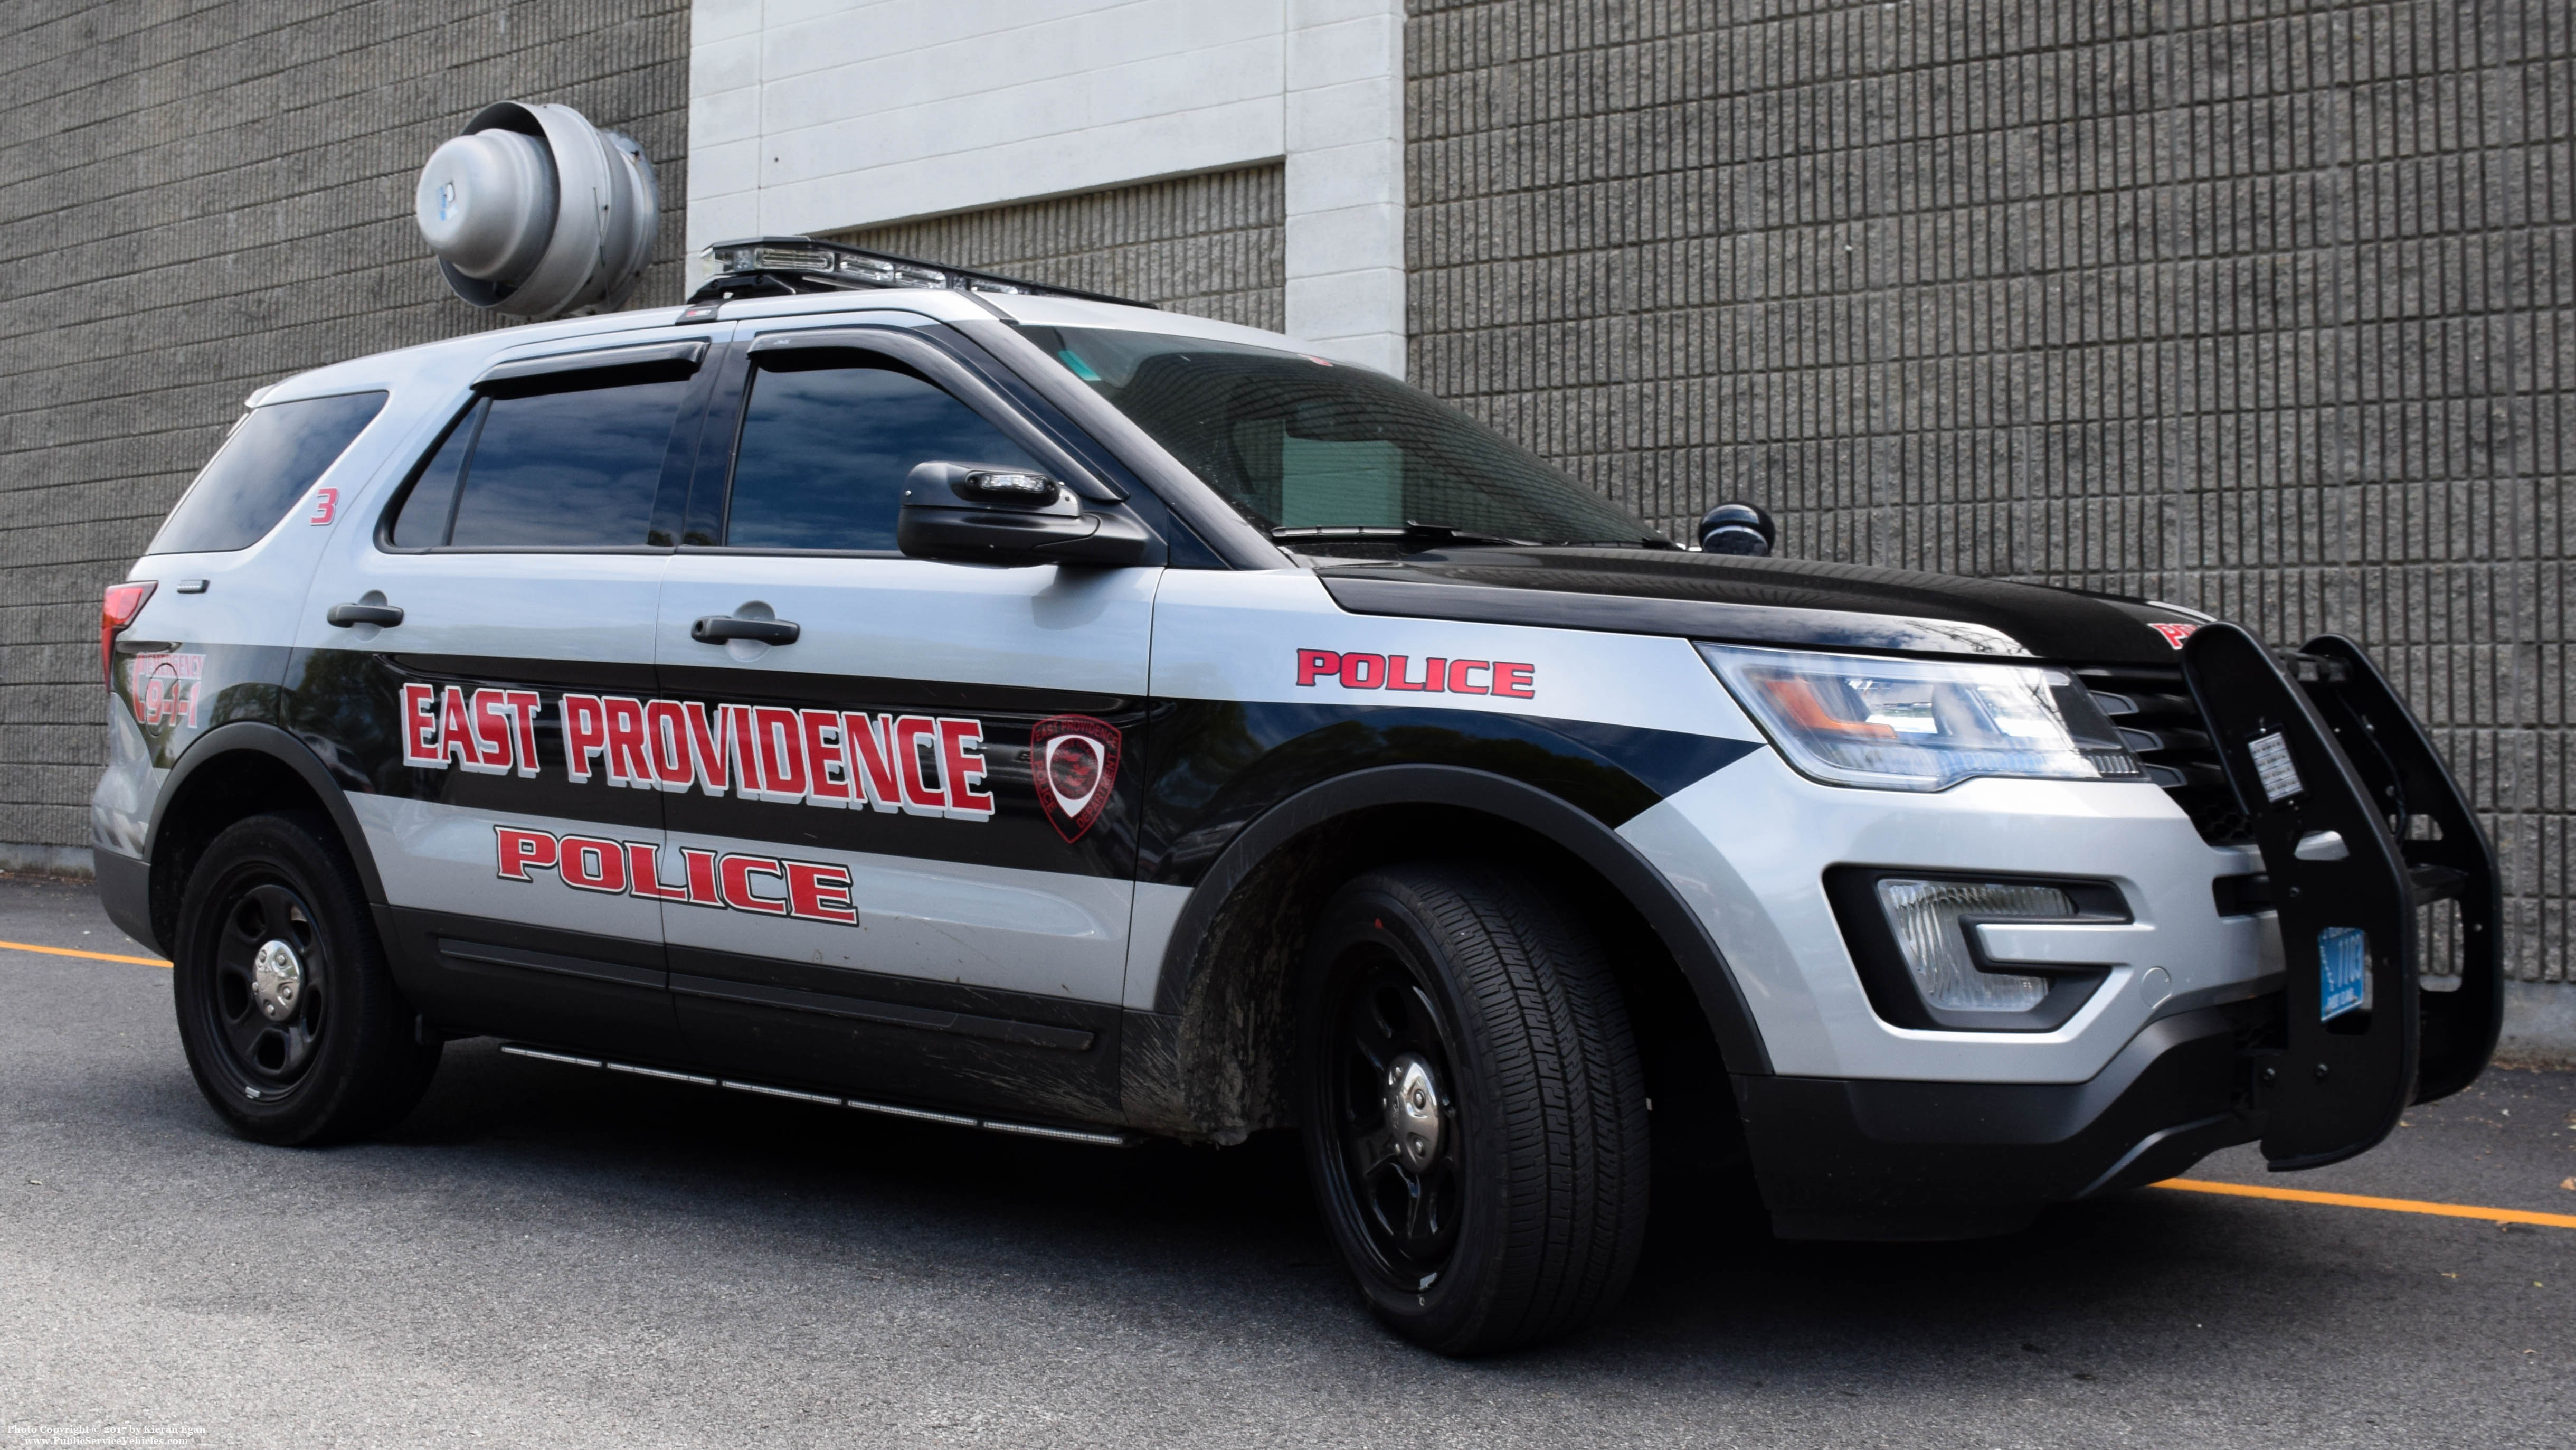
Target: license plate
{"type": "Point", "coordinates": [2343, 971]}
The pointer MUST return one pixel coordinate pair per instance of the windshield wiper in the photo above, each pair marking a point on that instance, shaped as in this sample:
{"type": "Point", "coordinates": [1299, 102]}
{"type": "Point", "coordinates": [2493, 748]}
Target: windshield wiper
{"type": "Point", "coordinates": [1410, 539]}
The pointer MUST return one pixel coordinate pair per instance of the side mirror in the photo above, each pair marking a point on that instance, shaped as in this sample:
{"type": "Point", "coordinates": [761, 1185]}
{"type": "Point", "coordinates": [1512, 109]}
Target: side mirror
{"type": "Point", "coordinates": [970, 514]}
{"type": "Point", "coordinates": [1737, 528]}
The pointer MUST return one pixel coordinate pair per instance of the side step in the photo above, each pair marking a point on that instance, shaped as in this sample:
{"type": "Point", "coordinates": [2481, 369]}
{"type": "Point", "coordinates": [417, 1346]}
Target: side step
{"type": "Point", "coordinates": [925, 1115]}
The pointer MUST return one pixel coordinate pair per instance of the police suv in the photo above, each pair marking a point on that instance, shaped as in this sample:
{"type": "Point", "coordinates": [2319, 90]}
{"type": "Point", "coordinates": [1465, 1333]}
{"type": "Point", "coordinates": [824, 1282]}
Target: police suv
{"type": "Point", "coordinates": [894, 687]}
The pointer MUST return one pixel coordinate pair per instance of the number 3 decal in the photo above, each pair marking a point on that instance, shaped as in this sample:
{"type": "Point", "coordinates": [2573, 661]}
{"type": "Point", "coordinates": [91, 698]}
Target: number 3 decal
{"type": "Point", "coordinates": [326, 505]}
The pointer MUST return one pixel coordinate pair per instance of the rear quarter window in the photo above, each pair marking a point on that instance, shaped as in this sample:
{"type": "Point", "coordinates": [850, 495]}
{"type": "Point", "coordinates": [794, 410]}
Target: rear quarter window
{"type": "Point", "coordinates": [271, 458]}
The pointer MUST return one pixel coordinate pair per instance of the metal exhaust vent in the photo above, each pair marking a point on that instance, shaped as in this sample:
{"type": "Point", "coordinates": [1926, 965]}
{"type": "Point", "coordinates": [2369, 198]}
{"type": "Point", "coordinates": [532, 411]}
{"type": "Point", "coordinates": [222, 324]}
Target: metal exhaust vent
{"type": "Point", "coordinates": [535, 212]}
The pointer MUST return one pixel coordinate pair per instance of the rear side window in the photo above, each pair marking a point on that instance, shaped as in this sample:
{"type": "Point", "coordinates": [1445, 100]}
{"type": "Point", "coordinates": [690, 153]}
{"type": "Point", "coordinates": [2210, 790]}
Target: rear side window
{"type": "Point", "coordinates": [273, 455]}
{"type": "Point", "coordinates": [825, 452]}
{"type": "Point", "coordinates": [426, 510]}
{"type": "Point", "coordinates": [564, 469]}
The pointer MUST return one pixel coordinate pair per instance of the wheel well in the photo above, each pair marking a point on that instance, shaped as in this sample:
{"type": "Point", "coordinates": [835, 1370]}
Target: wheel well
{"type": "Point", "coordinates": [216, 793]}
{"type": "Point", "coordinates": [1238, 1029]}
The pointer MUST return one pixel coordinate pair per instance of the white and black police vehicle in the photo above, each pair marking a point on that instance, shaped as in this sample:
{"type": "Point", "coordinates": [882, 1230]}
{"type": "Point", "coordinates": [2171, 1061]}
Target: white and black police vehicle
{"type": "Point", "coordinates": [884, 685]}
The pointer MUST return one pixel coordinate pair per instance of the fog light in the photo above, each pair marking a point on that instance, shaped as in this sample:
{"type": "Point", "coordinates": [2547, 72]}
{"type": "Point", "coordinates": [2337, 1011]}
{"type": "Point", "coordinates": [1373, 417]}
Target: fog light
{"type": "Point", "coordinates": [1928, 919]}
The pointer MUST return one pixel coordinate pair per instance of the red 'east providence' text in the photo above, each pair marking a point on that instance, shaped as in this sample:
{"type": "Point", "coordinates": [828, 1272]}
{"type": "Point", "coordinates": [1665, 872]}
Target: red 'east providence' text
{"type": "Point", "coordinates": [1435, 675]}
{"type": "Point", "coordinates": [930, 765]}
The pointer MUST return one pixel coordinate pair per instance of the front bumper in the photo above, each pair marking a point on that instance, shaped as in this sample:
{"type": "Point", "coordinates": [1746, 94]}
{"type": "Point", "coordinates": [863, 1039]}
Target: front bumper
{"type": "Point", "coordinates": [2360, 826]}
{"type": "Point", "coordinates": [1750, 849]}
{"type": "Point", "coordinates": [1860, 1158]}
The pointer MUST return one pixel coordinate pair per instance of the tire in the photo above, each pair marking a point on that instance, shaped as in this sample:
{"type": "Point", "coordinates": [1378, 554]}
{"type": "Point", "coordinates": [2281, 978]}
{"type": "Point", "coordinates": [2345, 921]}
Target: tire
{"type": "Point", "coordinates": [1517, 1218]}
{"type": "Point", "coordinates": [320, 1047]}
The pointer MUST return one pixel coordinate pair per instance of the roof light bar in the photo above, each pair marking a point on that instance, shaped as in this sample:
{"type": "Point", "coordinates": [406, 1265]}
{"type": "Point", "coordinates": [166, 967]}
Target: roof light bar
{"type": "Point", "coordinates": [777, 266]}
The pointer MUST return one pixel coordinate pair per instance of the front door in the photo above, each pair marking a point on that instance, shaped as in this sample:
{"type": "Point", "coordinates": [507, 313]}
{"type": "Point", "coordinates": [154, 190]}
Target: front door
{"type": "Point", "coordinates": [464, 660]}
{"type": "Point", "coordinates": [902, 824]}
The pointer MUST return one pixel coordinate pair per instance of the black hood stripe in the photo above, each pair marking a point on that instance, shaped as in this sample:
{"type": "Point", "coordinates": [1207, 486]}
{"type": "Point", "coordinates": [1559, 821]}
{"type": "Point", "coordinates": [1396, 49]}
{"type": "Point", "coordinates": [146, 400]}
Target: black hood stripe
{"type": "Point", "coordinates": [1689, 618]}
{"type": "Point", "coordinates": [1803, 602]}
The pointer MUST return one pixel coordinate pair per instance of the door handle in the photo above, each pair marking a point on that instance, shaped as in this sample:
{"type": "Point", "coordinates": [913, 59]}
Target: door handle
{"type": "Point", "coordinates": [717, 628]}
{"type": "Point", "coordinates": [345, 615]}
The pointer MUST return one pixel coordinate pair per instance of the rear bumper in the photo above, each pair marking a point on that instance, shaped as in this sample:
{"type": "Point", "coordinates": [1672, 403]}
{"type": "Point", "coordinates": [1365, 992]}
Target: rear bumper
{"type": "Point", "coordinates": [1878, 1159]}
{"type": "Point", "coordinates": [125, 890]}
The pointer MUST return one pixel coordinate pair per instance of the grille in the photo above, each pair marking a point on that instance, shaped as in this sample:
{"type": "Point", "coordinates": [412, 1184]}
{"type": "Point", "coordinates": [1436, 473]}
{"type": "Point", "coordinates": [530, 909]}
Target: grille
{"type": "Point", "coordinates": [2164, 730]}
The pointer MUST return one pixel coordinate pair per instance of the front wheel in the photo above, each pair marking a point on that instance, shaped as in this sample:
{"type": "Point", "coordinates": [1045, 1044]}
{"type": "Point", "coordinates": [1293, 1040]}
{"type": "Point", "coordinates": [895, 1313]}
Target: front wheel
{"type": "Point", "coordinates": [289, 1016]}
{"type": "Point", "coordinates": [1474, 1108]}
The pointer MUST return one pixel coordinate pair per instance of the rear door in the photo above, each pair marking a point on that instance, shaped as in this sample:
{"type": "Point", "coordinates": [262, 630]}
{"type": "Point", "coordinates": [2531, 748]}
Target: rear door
{"type": "Point", "coordinates": [473, 668]}
{"type": "Point", "coordinates": [906, 842]}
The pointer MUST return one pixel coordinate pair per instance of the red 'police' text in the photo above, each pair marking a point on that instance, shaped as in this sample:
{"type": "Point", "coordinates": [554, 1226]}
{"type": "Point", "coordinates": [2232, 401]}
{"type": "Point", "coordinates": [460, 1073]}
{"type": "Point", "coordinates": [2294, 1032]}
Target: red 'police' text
{"type": "Point", "coordinates": [725, 880]}
{"type": "Point", "coordinates": [1434, 676]}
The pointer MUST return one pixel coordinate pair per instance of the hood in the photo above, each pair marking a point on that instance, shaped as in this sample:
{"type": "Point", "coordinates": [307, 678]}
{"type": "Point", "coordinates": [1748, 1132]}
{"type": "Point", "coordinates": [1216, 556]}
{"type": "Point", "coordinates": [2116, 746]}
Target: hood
{"type": "Point", "coordinates": [1793, 602]}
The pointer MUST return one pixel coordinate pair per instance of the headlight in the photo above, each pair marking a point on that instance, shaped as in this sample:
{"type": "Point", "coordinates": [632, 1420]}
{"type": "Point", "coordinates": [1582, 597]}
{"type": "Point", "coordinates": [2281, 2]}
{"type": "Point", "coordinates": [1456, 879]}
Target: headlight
{"type": "Point", "coordinates": [1900, 724]}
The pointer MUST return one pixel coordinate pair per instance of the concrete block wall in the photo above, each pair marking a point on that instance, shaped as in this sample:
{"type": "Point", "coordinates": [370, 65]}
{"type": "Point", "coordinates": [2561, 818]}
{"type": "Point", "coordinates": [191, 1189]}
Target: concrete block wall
{"type": "Point", "coordinates": [1213, 245]}
{"type": "Point", "coordinates": [2261, 306]}
{"type": "Point", "coordinates": [196, 200]}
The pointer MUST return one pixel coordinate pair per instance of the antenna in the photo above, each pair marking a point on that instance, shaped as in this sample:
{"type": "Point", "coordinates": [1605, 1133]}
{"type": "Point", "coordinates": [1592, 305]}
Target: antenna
{"type": "Point", "coordinates": [535, 212]}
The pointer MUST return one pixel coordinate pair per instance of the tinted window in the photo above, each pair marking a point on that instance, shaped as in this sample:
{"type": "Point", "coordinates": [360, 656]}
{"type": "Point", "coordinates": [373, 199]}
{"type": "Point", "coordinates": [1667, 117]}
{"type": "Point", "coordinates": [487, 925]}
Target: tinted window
{"type": "Point", "coordinates": [272, 456]}
{"type": "Point", "coordinates": [825, 452]}
{"type": "Point", "coordinates": [567, 469]}
{"type": "Point", "coordinates": [422, 523]}
{"type": "Point", "coordinates": [1295, 441]}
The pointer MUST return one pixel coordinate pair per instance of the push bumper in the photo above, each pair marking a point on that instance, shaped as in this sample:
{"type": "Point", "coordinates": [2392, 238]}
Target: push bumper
{"type": "Point", "coordinates": [1880, 1159]}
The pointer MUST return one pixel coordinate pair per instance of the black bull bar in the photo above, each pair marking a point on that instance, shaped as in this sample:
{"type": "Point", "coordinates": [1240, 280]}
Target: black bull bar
{"type": "Point", "coordinates": [2361, 827]}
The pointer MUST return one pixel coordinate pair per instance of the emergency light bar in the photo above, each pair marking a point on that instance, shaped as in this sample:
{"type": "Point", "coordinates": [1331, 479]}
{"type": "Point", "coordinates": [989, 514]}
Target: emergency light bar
{"type": "Point", "coordinates": [779, 266]}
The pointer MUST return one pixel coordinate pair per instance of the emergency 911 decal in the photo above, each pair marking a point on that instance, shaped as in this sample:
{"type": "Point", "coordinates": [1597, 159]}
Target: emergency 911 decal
{"type": "Point", "coordinates": [723, 880]}
{"type": "Point", "coordinates": [927, 765]}
{"type": "Point", "coordinates": [164, 687]}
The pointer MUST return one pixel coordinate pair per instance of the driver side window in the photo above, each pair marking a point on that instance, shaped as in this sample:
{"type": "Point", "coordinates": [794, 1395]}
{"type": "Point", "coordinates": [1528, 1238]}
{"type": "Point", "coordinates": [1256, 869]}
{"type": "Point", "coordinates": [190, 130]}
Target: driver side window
{"type": "Point", "coordinates": [825, 451]}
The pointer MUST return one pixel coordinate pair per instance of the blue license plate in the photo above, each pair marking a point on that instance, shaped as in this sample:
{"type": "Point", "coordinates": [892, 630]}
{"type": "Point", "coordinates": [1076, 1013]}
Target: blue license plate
{"type": "Point", "coordinates": [2343, 970]}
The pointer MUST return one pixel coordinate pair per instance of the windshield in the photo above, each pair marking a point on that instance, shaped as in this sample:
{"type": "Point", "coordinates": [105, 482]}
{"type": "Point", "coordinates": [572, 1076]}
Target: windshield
{"type": "Point", "coordinates": [1294, 441]}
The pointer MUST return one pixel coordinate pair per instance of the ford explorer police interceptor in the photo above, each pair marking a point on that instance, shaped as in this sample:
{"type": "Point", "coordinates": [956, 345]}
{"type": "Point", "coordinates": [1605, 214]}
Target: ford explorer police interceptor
{"type": "Point", "coordinates": [899, 688]}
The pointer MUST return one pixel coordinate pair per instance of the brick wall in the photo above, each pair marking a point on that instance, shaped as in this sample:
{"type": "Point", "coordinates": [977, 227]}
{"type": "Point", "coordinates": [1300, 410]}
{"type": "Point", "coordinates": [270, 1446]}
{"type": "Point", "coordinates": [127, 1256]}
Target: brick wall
{"type": "Point", "coordinates": [2265, 308]}
{"type": "Point", "coordinates": [1211, 245]}
{"type": "Point", "coordinates": [198, 200]}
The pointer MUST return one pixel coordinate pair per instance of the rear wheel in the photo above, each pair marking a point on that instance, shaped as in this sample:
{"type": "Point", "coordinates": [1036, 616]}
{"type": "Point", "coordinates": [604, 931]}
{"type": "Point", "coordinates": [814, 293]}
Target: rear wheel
{"type": "Point", "coordinates": [287, 1011]}
{"type": "Point", "coordinates": [1474, 1108]}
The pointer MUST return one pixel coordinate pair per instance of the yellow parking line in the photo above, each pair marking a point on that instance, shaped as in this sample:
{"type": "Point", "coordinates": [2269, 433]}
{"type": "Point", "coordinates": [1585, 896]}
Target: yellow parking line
{"type": "Point", "coordinates": [20, 946]}
{"type": "Point", "coordinates": [2391, 1205]}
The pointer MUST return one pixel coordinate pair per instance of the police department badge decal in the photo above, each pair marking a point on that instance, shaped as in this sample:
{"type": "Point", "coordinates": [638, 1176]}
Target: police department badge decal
{"type": "Point", "coordinates": [1073, 763]}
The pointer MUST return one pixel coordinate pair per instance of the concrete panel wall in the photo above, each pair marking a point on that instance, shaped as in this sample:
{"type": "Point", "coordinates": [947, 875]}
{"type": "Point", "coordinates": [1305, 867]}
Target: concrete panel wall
{"type": "Point", "coordinates": [196, 201]}
{"type": "Point", "coordinates": [2267, 308]}
{"type": "Point", "coordinates": [1212, 245]}
{"type": "Point", "coordinates": [846, 114]}
{"type": "Point", "coordinates": [842, 115]}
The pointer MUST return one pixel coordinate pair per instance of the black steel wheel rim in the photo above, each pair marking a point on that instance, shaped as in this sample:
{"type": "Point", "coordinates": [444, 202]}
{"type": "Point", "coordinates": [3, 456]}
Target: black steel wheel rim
{"type": "Point", "coordinates": [271, 1054]}
{"type": "Point", "coordinates": [1406, 1214]}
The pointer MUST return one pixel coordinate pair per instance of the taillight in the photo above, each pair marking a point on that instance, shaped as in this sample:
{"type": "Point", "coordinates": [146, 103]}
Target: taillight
{"type": "Point", "coordinates": [123, 602]}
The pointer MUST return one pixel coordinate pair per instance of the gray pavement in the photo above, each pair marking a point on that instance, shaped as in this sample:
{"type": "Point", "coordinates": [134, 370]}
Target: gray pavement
{"type": "Point", "coordinates": [546, 1256]}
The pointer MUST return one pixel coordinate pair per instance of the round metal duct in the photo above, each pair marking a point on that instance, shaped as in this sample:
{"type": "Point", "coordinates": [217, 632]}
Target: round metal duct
{"type": "Point", "coordinates": [535, 212]}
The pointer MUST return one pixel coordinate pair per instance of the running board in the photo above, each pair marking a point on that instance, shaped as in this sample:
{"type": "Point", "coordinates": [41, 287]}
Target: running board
{"type": "Point", "coordinates": [891, 1110]}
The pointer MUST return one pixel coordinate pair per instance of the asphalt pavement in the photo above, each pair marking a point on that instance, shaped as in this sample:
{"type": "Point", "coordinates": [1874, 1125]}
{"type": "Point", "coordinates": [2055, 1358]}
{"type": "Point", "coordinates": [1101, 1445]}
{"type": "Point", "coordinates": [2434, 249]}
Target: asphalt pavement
{"type": "Point", "coordinates": [547, 1256]}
